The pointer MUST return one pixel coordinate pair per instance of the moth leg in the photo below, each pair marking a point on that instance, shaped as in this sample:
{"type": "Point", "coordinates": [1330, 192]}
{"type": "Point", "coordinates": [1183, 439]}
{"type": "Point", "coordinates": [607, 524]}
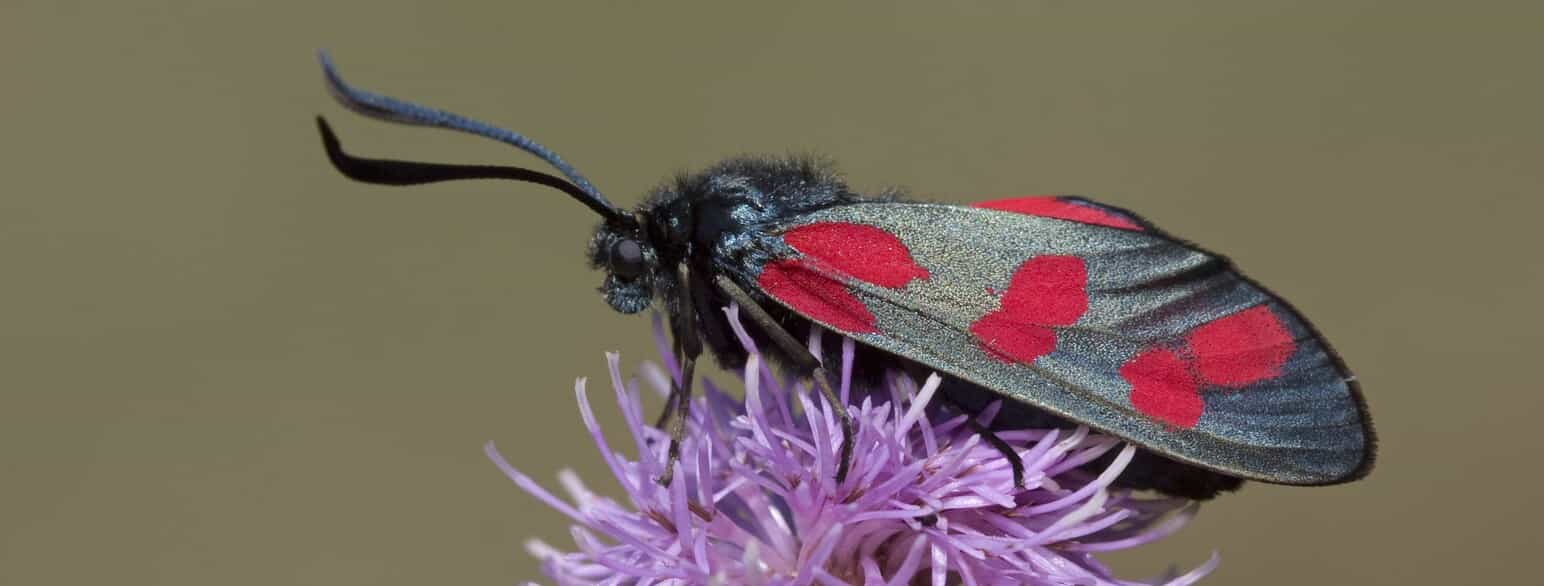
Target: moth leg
{"type": "Point", "coordinates": [682, 410]}
{"type": "Point", "coordinates": [997, 443]}
{"type": "Point", "coordinates": [805, 364]}
{"type": "Point", "coordinates": [688, 348]}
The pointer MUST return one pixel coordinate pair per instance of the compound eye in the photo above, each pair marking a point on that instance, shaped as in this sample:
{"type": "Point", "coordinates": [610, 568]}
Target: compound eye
{"type": "Point", "coordinates": [626, 259]}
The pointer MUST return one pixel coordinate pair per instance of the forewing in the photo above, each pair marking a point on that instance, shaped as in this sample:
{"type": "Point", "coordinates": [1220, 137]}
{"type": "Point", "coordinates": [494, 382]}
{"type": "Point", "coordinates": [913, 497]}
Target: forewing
{"type": "Point", "coordinates": [1089, 312]}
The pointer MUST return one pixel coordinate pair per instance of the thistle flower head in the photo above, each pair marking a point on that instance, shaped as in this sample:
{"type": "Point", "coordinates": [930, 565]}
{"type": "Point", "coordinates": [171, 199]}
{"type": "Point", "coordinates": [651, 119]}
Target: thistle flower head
{"type": "Point", "coordinates": [754, 500]}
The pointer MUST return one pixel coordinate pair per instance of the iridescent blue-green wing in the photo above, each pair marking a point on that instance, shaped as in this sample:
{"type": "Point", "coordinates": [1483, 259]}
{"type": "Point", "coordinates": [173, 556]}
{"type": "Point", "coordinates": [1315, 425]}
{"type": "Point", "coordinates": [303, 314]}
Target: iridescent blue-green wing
{"type": "Point", "coordinates": [1091, 313]}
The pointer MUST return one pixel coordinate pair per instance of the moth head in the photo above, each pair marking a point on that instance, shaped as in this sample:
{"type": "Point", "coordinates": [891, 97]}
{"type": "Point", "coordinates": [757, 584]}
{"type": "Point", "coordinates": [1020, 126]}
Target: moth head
{"type": "Point", "coordinates": [630, 262]}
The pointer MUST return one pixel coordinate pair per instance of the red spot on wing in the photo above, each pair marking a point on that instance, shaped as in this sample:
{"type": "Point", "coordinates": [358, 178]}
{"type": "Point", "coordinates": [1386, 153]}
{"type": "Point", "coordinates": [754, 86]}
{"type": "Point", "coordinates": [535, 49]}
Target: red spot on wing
{"type": "Point", "coordinates": [1050, 206]}
{"type": "Point", "coordinates": [1045, 291]}
{"type": "Point", "coordinates": [863, 252]}
{"type": "Point", "coordinates": [1012, 341]}
{"type": "Point", "coordinates": [1163, 388]}
{"type": "Point", "coordinates": [1050, 290]}
{"type": "Point", "coordinates": [1241, 349]}
{"type": "Point", "coordinates": [816, 296]}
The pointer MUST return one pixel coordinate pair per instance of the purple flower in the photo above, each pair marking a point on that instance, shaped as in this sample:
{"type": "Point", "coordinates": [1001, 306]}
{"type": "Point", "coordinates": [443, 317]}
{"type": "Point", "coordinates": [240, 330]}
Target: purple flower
{"type": "Point", "coordinates": [754, 499]}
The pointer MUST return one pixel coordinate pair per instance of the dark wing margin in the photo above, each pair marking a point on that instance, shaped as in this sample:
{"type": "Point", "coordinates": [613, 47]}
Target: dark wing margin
{"type": "Point", "coordinates": [1097, 317]}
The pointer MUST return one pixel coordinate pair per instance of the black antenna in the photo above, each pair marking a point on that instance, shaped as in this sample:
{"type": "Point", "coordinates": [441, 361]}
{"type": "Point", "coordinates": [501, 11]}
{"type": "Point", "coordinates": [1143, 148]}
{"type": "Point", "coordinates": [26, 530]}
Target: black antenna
{"type": "Point", "coordinates": [393, 172]}
{"type": "Point", "coordinates": [397, 172]}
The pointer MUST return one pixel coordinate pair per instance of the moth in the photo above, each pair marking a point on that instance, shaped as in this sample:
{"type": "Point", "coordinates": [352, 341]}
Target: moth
{"type": "Point", "coordinates": [1071, 311]}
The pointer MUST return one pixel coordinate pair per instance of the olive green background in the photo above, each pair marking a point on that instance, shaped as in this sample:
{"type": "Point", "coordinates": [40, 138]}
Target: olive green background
{"type": "Point", "coordinates": [225, 364]}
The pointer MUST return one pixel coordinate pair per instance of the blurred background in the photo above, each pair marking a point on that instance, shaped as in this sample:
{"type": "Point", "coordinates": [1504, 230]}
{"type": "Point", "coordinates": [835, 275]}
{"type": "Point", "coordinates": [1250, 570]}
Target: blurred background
{"type": "Point", "coordinates": [225, 364]}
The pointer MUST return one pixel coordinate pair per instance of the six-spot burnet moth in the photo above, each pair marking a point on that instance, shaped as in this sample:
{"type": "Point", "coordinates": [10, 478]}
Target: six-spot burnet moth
{"type": "Point", "coordinates": [1075, 311]}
